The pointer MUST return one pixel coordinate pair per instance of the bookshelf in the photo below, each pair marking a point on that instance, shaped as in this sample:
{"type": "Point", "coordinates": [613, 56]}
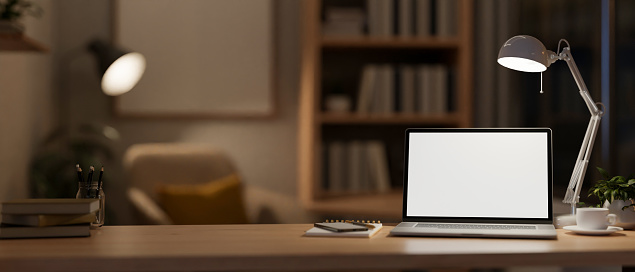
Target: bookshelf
{"type": "Point", "coordinates": [330, 62]}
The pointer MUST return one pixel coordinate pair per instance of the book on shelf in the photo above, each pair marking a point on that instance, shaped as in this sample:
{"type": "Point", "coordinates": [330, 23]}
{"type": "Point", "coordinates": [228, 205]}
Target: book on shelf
{"type": "Point", "coordinates": [378, 162]}
{"type": "Point", "coordinates": [43, 220]}
{"type": "Point", "coordinates": [423, 24]}
{"type": "Point", "coordinates": [407, 78]}
{"type": "Point", "coordinates": [82, 230]}
{"type": "Point", "coordinates": [404, 88]}
{"type": "Point", "coordinates": [406, 18]}
{"type": "Point", "coordinates": [385, 92]}
{"type": "Point", "coordinates": [50, 206]}
{"type": "Point", "coordinates": [367, 88]}
{"type": "Point", "coordinates": [380, 16]}
{"type": "Point", "coordinates": [446, 19]}
{"type": "Point", "coordinates": [336, 166]}
{"type": "Point", "coordinates": [412, 18]}
{"type": "Point", "coordinates": [433, 89]}
{"type": "Point", "coordinates": [343, 21]}
{"type": "Point", "coordinates": [440, 89]}
{"type": "Point", "coordinates": [356, 166]}
{"type": "Point", "coordinates": [377, 89]}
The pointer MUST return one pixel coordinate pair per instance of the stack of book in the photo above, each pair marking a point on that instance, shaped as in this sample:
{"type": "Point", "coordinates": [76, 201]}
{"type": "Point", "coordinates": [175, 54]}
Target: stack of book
{"type": "Point", "coordinates": [356, 167]}
{"type": "Point", "coordinates": [412, 18]}
{"type": "Point", "coordinates": [38, 218]}
{"type": "Point", "coordinates": [411, 89]}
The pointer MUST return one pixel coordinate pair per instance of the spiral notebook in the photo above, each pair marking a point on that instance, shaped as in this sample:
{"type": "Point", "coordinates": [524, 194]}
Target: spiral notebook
{"type": "Point", "coordinates": [319, 232]}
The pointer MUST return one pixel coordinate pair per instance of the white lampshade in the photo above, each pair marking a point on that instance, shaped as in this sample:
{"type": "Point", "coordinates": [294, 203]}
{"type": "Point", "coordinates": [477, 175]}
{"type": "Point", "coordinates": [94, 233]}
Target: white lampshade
{"type": "Point", "coordinates": [123, 74]}
{"type": "Point", "coordinates": [524, 53]}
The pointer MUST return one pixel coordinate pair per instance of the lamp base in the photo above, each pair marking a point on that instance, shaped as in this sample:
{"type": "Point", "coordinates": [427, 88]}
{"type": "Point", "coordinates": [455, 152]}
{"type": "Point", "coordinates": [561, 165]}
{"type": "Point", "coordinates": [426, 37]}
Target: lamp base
{"type": "Point", "coordinates": [564, 220]}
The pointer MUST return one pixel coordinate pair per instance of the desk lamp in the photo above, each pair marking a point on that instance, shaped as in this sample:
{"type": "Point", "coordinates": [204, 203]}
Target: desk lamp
{"type": "Point", "coordinates": [527, 54]}
{"type": "Point", "coordinates": [120, 70]}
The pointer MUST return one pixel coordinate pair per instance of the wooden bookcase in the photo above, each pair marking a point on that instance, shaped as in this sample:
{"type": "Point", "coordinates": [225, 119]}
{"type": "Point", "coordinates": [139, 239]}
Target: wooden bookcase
{"type": "Point", "coordinates": [319, 53]}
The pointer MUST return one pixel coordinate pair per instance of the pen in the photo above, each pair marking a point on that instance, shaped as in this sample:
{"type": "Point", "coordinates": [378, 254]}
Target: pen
{"type": "Point", "coordinates": [89, 180]}
{"type": "Point", "coordinates": [368, 225]}
{"type": "Point", "coordinates": [101, 174]}
{"type": "Point", "coordinates": [80, 176]}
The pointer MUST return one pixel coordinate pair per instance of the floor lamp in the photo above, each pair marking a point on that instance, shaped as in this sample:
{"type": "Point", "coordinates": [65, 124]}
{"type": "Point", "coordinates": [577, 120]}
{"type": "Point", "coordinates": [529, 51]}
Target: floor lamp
{"type": "Point", "coordinates": [527, 54]}
{"type": "Point", "coordinates": [120, 70]}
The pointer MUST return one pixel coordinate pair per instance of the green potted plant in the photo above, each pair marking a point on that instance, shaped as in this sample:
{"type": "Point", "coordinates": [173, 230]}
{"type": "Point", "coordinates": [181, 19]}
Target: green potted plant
{"type": "Point", "coordinates": [617, 194]}
{"type": "Point", "coordinates": [12, 10]}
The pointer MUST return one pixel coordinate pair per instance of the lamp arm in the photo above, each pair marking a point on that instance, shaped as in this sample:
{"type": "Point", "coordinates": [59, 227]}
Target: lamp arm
{"type": "Point", "coordinates": [565, 55]}
{"type": "Point", "coordinates": [575, 184]}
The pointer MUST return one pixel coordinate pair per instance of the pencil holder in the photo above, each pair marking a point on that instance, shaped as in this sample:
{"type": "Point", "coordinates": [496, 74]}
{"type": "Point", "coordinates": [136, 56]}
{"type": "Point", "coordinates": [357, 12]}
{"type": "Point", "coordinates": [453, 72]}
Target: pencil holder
{"type": "Point", "coordinates": [92, 190]}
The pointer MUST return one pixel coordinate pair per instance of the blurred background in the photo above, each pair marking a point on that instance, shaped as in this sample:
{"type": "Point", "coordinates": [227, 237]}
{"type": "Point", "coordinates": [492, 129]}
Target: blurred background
{"type": "Point", "coordinates": [54, 114]}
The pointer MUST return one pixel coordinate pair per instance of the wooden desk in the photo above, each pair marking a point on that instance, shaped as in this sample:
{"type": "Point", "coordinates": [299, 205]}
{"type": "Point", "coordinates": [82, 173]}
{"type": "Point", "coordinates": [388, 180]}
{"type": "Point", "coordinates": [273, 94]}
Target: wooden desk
{"type": "Point", "coordinates": [282, 247]}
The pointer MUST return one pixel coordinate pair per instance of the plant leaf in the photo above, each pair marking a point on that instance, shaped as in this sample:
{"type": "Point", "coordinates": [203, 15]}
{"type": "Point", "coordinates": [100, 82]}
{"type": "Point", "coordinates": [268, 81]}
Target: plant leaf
{"type": "Point", "coordinates": [603, 173]}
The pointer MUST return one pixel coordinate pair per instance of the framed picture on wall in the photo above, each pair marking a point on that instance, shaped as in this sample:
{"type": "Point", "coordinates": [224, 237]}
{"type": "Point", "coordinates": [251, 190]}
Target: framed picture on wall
{"type": "Point", "coordinates": [204, 58]}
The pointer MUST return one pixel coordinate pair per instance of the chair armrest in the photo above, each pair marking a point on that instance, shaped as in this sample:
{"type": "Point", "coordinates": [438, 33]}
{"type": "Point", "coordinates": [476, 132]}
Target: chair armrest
{"type": "Point", "coordinates": [148, 208]}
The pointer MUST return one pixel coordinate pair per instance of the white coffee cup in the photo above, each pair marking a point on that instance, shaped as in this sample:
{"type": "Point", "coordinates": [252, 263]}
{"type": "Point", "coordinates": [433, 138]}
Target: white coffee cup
{"type": "Point", "coordinates": [594, 218]}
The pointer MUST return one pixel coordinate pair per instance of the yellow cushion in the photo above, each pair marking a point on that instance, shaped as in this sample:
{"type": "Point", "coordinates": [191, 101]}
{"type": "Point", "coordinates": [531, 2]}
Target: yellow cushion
{"type": "Point", "coordinates": [216, 202]}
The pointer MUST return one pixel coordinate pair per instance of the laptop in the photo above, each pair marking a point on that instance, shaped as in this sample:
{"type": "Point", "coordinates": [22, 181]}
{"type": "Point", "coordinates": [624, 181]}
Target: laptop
{"type": "Point", "coordinates": [494, 182]}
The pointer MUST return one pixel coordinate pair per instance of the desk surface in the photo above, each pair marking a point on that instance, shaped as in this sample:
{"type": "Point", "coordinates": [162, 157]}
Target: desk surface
{"type": "Point", "coordinates": [282, 247]}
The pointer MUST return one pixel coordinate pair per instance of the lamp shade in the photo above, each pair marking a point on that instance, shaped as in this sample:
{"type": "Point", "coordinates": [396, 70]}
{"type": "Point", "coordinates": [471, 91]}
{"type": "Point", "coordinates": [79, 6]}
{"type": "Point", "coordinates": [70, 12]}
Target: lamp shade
{"type": "Point", "coordinates": [524, 53]}
{"type": "Point", "coordinates": [120, 70]}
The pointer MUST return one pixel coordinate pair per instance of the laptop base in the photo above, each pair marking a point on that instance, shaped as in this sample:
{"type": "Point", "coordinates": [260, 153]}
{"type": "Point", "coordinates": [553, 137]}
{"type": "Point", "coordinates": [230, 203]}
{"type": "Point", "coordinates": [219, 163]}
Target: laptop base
{"type": "Point", "coordinates": [541, 231]}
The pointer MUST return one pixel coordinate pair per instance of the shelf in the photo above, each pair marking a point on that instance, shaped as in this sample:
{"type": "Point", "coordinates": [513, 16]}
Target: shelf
{"type": "Point", "coordinates": [332, 63]}
{"type": "Point", "coordinates": [19, 42]}
{"type": "Point", "coordinates": [350, 118]}
{"type": "Point", "coordinates": [390, 42]}
{"type": "Point", "coordinates": [382, 205]}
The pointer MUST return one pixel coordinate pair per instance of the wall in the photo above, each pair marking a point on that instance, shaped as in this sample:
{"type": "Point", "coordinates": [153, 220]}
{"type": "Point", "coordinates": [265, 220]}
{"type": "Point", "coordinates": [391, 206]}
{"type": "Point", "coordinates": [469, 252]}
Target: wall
{"type": "Point", "coordinates": [27, 111]}
{"type": "Point", "coordinates": [263, 150]}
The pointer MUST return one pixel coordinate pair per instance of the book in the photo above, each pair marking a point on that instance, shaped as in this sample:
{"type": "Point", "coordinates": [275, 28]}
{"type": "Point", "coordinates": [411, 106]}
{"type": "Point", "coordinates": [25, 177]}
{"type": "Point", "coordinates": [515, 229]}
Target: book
{"type": "Point", "coordinates": [406, 18]}
{"type": "Point", "coordinates": [367, 89]}
{"type": "Point", "coordinates": [424, 87]}
{"type": "Point", "coordinates": [423, 18]}
{"type": "Point", "coordinates": [378, 161]}
{"type": "Point", "coordinates": [380, 18]}
{"type": "Point", "coordinates": [43, 220]}
{"type": "Point", "coordinates": [341, 21]}
{"type": "Point", "coordinates": [337, 167]}
{"type": "Point", "coordinates": [387, 21]}
{"type": "Point", "coordinates": [50, 206]}
{"type": "Point", "coordinates": [407, 78]}
{"type": "Point", "coordinates": [43, 232]}
{"type": "Point", "coordinates": [383, 96]}
{"type": "Point", "coordinates": [318, 232]}
{"type": "Point", "coordinates": [373, 17]}
{"type": "Point", "coordinates": [387, 89]}
{"type": "Point", "coordinates": [440, 89]}
{"type": "Point", "coordinates": [446, 18]}
{"type": "Point", "coordinates": [355, 166]}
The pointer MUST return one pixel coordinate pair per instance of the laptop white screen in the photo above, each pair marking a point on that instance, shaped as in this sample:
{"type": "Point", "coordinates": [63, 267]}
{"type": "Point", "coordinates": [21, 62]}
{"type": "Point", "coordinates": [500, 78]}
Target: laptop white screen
{"type": "Point", "coordinates": [478, 175]}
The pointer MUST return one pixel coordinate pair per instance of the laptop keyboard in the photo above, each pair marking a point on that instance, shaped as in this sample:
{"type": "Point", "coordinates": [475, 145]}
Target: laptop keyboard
{"type": "Point", "coordinates": [474, 226]}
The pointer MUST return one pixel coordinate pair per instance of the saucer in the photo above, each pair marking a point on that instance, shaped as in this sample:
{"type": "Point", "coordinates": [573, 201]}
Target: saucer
{"type": "Point", "coordinates": [606, 231]}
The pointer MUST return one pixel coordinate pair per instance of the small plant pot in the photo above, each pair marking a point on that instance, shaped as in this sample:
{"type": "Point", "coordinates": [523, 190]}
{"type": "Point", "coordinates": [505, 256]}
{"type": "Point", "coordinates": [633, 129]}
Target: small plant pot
{"type": "Point", "coordinates": [626, 217]}
{"type": "Point", "coordinates": [11, 27]}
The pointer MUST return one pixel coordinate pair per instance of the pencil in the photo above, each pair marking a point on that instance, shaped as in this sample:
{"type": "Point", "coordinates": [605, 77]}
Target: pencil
{"type": "Point", "coordinates": [90, 174]}
{"type": "Point", "coordinates": [370, 226]}
{"type": "Point", "coordinates": [101, 174]}
{"type": "Point", "coordinates": [80, 176]}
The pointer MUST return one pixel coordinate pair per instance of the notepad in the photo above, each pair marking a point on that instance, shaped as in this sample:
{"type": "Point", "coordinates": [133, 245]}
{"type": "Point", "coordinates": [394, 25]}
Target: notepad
{"type": "Point", "coordinates": [318, 232]}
